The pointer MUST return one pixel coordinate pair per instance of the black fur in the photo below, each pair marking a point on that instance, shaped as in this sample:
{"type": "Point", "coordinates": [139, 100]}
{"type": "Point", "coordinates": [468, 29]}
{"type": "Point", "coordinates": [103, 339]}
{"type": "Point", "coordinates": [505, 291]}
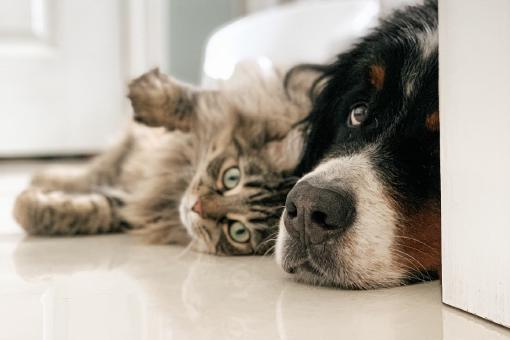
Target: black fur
{"type": "Point", "coordinates": [409, 159]}
{"type": "Point", "coordinates": [393, 74]}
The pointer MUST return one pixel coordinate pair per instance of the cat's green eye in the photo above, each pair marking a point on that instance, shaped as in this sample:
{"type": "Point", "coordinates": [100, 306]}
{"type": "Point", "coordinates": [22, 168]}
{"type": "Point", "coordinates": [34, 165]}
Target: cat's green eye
{"type": "Point", "coordinates": [238, 232]}
{"type": "Point", "coordinates": [231, 177]}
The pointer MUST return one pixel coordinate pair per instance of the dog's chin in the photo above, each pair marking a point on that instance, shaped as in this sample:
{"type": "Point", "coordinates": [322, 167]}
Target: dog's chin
{"type": "Point", "coordinates": [337, 276]}
{"type": "Point", "coordinates": [305, 267]}
{"type": "Point", "coordinates": [308, 274]}
{"type": "Point", "coordinates": [334, 264]}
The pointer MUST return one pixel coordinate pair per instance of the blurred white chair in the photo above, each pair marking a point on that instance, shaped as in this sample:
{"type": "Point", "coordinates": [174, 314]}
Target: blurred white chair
{"type": "Point", "coordinates": [287, 35]}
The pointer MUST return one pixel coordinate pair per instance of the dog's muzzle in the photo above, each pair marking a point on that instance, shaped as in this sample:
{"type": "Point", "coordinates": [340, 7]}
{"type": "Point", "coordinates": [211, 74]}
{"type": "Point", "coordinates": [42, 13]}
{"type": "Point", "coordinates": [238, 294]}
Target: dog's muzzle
{"type": "Point", "coordinates": [316, 214]}
{"type": "Point", "coordinates": [338, 227]}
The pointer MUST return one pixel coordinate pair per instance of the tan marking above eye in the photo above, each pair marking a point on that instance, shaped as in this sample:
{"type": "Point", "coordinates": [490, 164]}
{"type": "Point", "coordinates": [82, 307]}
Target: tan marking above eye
{"type": "Point", "coordinates": [432, 121]}
{"type": "Point", "coordinates": [377, 75]}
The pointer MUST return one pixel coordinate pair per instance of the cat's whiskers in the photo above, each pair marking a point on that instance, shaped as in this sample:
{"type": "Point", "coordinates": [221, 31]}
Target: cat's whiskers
{"type": "Point", "coordinates": [271, 239]}
{"type": "Point", "coordinates": [185, 250]}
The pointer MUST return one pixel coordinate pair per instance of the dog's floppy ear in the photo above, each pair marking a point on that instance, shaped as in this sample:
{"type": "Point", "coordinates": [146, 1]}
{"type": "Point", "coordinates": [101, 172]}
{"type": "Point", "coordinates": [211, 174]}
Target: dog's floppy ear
{"type": "Point", "coordinates": [321, 124]}
{"type": "Point", "coordinates": [159, 100]}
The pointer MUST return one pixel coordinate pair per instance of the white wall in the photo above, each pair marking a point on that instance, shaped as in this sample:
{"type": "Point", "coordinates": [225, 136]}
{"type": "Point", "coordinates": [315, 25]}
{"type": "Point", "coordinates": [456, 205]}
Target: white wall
{"type": "Point", "coordinates": [191, 22]}
{"type": "Point", "coordinates": [475, 155]}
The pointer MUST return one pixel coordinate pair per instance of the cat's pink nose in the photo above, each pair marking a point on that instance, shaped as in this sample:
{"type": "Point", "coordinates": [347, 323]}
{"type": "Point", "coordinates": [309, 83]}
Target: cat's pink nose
{"type": "Point", "coordinates": [197, 207]}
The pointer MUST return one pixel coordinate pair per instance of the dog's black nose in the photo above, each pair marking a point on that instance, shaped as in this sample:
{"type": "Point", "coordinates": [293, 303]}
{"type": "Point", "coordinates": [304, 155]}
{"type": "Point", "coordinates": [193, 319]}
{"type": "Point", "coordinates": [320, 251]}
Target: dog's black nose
{"type": "Point", "coordinates": [315, 214]}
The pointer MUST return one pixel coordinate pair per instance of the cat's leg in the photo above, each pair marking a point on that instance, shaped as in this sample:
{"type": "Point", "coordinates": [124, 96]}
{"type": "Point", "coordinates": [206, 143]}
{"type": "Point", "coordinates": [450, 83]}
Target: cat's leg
{"type": "Point", "coordinates": [42, 212]}
{"type": "Point", "coordinates": [159, 100]}
{"type": "Point", "coordinates": [103, 170]}
{"type": "Point", "coordinates": [66, 200]}
{"type": "Point", "coordinates": [71, 178]}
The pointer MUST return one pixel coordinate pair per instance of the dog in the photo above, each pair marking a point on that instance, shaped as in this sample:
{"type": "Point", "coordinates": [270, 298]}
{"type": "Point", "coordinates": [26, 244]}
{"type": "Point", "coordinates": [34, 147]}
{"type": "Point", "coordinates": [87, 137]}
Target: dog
{"type": "Point", "coordinates": [366, 213]}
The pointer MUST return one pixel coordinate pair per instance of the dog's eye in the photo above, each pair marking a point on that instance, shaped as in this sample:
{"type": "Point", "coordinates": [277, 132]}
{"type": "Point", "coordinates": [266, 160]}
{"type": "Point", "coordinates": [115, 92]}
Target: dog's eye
{"type": "Point", "coordinates": [358, 115]}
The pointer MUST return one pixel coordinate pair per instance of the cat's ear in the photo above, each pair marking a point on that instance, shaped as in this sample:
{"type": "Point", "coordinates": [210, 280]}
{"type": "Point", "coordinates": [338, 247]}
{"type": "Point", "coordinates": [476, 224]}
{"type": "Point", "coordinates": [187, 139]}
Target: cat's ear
{"type": "Point", "coordinates": [256, 71]}
{"type": "Point", "coordinates": [303, 82]}
{"type": "Point", "coordinates": [285, 153]}
{"type": "Point", "coordinates": [159, 100]}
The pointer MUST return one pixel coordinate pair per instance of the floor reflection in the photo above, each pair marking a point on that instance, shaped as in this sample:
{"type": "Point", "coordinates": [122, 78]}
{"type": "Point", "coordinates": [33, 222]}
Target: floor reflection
{"type": "Point", "coordinates": [154, 290]}
{"type": "Point", "coordinates": [115, 287]}
{"type": "Point", "coordinates": [395, 313]}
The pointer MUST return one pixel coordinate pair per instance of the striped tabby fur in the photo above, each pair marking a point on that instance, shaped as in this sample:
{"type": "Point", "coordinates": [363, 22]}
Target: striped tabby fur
{"type": "Point", "coordinates": [150, 182]}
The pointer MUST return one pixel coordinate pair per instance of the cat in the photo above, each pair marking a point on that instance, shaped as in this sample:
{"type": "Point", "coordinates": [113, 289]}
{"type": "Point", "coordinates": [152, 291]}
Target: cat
{"type": "Point", "coordinates": [206, 167]}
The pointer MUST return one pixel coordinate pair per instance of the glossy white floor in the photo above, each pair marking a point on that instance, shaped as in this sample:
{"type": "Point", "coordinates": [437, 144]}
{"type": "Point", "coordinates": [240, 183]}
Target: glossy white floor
{"type": "Point", "coordinates": [115, 287]}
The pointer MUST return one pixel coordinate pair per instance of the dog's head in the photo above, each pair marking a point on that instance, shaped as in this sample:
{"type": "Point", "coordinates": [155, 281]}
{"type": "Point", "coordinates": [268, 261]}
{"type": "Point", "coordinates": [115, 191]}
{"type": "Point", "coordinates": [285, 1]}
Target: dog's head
{"type": "Point", "coordinates": [368, 214]}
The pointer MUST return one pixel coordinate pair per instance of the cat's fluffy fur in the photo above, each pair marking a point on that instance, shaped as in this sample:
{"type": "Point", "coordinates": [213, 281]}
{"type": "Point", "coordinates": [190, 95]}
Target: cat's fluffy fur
{"type": "Point", "coordinates": [152, 179]}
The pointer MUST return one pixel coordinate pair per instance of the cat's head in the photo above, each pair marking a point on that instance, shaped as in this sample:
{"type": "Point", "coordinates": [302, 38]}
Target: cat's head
{"type": "Point", "coordinates": [234, 201]}
{"type": "Point", "coordinates": [246, 145]}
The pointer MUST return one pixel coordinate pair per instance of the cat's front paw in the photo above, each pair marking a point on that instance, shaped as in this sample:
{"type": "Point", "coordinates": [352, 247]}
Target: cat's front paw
{"type": "Point", "coordinates": [46, 212]}
{"type": "Point", "coordinates": [150, 98]}
{"type": "Point", "coordinates": [159, 100]}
